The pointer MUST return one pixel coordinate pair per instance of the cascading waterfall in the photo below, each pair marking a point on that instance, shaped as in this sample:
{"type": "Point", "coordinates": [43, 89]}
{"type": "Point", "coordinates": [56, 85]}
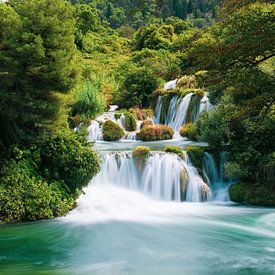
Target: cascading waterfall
{"type": "Point", "coordinates": [95, 129]}
{"type": "Point", "coordinates": [157, 115]}
{"type": "Point", "coordinates": [205, 105]}
{"type": "Point", "coordinates": [179, 117]}
{"type": "Point", "coordinates": [170, 85]}
{"type": "Point", "coordinates": [164, 176]}
{"type": "Point", "coordinates": [213, 174]}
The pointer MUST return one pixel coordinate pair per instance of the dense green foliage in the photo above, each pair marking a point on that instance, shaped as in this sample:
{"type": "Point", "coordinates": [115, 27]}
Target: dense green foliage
{"type": "Point", "coordinates": [43, 166]}
{"type": "Point", "coordinates": [260, 194]}
{"type": "Point", "coordinates": [112, 131]}
{"type": "Point", "coordinates": [196, 155]}
{"type": "Point", "coordinates": [140, 13]}
{"type": "Point", "coordinates": [43, 181]}
{"type": "Point", "coordinates": [189, 130]}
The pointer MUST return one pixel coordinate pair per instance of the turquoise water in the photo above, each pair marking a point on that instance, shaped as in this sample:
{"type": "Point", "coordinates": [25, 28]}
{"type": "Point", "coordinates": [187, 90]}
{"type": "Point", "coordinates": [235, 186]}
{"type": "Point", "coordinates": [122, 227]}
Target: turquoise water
{"type": "Point", "coordinates": [127, 233]}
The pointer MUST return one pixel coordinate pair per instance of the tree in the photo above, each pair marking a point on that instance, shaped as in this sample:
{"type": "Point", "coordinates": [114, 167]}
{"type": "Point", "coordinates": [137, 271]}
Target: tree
{"type": "Point", "coordinates": [137, 88]}
{"type": "Point", "coordinates": [36, 57]}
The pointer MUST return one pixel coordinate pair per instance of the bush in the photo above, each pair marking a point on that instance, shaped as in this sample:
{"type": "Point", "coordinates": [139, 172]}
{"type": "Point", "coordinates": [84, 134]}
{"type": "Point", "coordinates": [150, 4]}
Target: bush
{"type": "Point", "coordinates": [25, 197]}
{"type": "Point", "coordinates": [155, 132]}
{"type": "Point", "coordinates": [130, 121]}
{"type": "Point", "coordinates": [112, 131]}
{"type": "Point", "coordinates": [89, 99]}
{"type": "Point", "coordinates": [137, 88]}
{"type": "Point", "coordinates": [189, 131]}
{"type": "Point", "coordinates": [257, 194]}
{"type": "Point", "coordinates": [65, 158]}
{"type": "Point", "coordinates": [174, 149]}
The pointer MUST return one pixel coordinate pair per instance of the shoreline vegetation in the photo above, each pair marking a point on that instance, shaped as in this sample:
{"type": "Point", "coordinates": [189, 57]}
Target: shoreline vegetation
{"type": "Point", "coordinates": [63, 63]}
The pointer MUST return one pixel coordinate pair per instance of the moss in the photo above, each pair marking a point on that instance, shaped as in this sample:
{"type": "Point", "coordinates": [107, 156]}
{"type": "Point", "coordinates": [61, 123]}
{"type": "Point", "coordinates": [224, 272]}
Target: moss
{"type": "Point", "coordinates": [112, 131]}
{"type": "Point", "coordinates": [189, 130]}
{"type": "Point", "coordinates": [174, 149]}
{"type": "Point", "coordinates": [155, 132]}
{"type": "Point", "coordinates": [260, 194]}
{"type": "Point", "coordinates": [130, 121]}
{"type": "Point", "coordinates": [118, 115]}
{"type": "Point", "coordinates": [140, 155]}
{"type": "Point", "coordinates": [196, 155]}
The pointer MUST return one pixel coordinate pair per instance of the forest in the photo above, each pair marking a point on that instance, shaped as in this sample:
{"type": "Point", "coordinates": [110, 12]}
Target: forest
{"type": "Point", "coordinates": [63, 63]}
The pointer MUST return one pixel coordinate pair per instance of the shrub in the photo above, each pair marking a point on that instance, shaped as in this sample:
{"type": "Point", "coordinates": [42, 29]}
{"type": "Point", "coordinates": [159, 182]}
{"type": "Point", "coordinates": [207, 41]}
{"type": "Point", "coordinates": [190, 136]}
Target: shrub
{"type": "Point", "coordinates": [155, 132]}
{"type": "Point", "coordinates": [65, 158]}
{"type": "Point", "coordinates": [174, 149]}
{"type": "Point", "coordinates": [89, 99]}
{"type": "Point", "coordinates": [112, 131]}
{"type": "Point", "coordinates": [257, 194]}
{"type": "Point", "coordinates": [189, 131]}
{"type": "Point", "coordinates": [25, 197]}
{"type": "Point", "coordinates": [130, 121]}
{"type": "Point", "coordinates": [137, 88]}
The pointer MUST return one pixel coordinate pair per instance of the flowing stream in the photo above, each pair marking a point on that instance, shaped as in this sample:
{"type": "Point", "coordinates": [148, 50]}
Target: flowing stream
{"type": "Point", "coordinates": [156, 217]}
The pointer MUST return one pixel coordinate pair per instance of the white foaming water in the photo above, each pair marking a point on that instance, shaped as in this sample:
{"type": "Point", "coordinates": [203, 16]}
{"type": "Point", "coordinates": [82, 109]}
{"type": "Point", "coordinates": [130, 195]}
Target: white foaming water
{"type": "Point", "coordinates": [164, 176]}
{"type": "Point", "coordinates": [205, 105]}
{"type": "Point", "coordinates": [95, 131]}
{"type": "Point", "coordinates": [180, 113]}
{"type": "Point", "coordinates": [170, 85]}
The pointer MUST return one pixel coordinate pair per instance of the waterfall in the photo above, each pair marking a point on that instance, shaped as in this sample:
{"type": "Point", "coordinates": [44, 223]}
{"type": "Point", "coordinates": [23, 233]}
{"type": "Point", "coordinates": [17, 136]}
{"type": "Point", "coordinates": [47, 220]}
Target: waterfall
{"type": "Point", "coordinates": [164, 176]}
{"type": "Point", "coordinates": [170, 85]}
{"type": "Point", "coordinates": [171, 110]}
{"type": "Point", "coordinates": [157, 114]}
{"type": "Point", "coordinates": [205, 105]}
{"type": "Point", "coordinates": [213, 174]}
{"type": "Point", "coordinates": [179, 110]}
{"type": "Point", "coordinates": [95, 131]}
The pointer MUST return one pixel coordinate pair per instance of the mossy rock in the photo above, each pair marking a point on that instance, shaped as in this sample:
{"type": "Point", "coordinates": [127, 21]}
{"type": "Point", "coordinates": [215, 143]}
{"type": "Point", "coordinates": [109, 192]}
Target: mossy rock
{"type": "Point", "coordinates": [118, 115]}
{"type": "Point", "coordinates": [189, 130]}
{"type": "Point", "coordinates": [112, 131]}
{"type": "Point", "coordinates": [256, 194]}
{"type": "Point", "coordinates": [141, 155]}
{"type": "Point", "coordinates": [196, 155]}
{"type": "Point", "coordinates": [155, 132]}
{"type": "Point", "coordinates": [146, 123]}
{"type": "Point", "coordinates": [174, 149]}
{"type": "Point", "coordinates": [130, 121]}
